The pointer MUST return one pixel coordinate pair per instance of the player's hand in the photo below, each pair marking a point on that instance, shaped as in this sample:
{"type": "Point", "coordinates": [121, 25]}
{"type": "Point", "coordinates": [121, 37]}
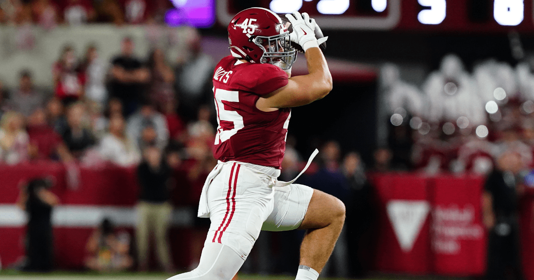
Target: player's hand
{"type": "Point", "coordinates": [302, 34]}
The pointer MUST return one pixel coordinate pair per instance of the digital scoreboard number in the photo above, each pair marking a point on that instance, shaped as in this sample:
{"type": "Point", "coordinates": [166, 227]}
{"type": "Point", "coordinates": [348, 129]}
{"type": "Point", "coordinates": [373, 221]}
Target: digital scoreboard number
{"type": "Point", "coordinates": [431, 15]}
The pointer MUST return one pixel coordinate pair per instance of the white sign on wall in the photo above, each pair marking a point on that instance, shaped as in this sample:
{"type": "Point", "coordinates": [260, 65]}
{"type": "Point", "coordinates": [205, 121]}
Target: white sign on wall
{"type": "Point", "coordinates": [407, 218]}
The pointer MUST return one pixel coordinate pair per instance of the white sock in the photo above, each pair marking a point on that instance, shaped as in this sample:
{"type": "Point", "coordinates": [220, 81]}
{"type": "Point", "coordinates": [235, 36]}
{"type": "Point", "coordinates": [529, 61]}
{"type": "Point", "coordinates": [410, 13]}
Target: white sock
{"type": "Point", "coordinates": [306, 273]}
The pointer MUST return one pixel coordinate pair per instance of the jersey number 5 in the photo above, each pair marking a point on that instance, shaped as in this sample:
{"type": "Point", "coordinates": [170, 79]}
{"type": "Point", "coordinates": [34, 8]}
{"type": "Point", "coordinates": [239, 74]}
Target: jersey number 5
{"type": "Point", "coordinates": [226, 118]}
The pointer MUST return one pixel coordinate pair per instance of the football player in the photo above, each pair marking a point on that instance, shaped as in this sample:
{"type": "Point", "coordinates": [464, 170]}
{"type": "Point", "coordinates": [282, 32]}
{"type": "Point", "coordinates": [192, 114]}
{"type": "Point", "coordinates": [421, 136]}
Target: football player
{"type": "Point", "coordinates": [253, 94]}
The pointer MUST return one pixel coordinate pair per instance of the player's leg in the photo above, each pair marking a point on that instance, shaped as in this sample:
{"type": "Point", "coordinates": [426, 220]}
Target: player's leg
{"type": "Point", "coordinates": [239, 201]}
{"type": "Point", "coordinates": [299, 206]}
{"type": "Point", "coordinates": [324, 221]}
{"type": "Point", "coordinates": [217, 262]}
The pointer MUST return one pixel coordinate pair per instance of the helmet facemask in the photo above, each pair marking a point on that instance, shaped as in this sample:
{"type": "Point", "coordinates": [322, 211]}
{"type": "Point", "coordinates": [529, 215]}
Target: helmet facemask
{"type": "Point", "coordinates": [277, 50]}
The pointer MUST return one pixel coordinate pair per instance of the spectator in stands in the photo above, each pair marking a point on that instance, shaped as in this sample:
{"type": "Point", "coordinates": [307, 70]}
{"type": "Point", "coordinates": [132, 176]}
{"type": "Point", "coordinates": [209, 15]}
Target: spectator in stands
{"type": "Point", "coordinates": [475, 156]}
{"type": "Point", "coordinates": [154, 209]}
{"type": "Point", "coordinates": [110, 11]}
{"type": "Point", "coordinates": [116, 147]}
{"type": "Point", "coordinates": [8, 11]}
{"type": "Point", "coordinates": [68, 80]}
{"type": "Point", "coordinates": [77, 137]}
{"type": "Point", "coordinates": [136, 11]}
{"type": "Point", "coordinates": [55, 115]}
{"type": "Point", "coordinates": [95, 71]}
{"type": "Point", "coordinates": [114, 106]}
{"type": "Point", "coordinates": [45, 13]}
{"type": "Point", "coordinates": [149, 136]}
{"type": "Point", "coordinates": [108, 250]}
{"type": "Point", "coordinates": [97, 121]}
{"type": "Point", "coordinates": [201, 134]}
{"type": "Point", "coordinates": [37, 201]}
{"type": "Point", "coordinates": [4, 106]}
{"type": "Point", "coordinates": [359, 210]}
{"type": "Point", "coordinates": [510, 141]}
{"type": "Point", "coordinates": [26, 98]}
{"type": "Point", "coordinates": [193, 76]}
{"type": "Point", "coordinates": [100, 120]}
{"type": "Point", "coordinates": [161, 89]}
{"type": "Point", "coordinates": [3, 17]}
{"type": "Point", "coordinates": [401, 145]}
{"type": "Point", "coordinates": [14, 10]}
{"type": "Point", "coordinates": [13, 139]}
{"type": "Point", "coordinates": [25, 37]}
{"type": "Point", "coordinates": [174, 122]}
{"type": "Point", "coordinates": [500, 210]}
{"type": "Point", "coordinates": [146, 123]}
{"type": "Point", "coordinates": [527, 135]}
{"type": "Point", "coordinates": [382, 160]}
{"type": "Point", "coordinates": [45, 143]}
{"type": "Point", "coordinates": [78, 12]}
{"type": "Point", "coordinates": [330, 155]}
{"type": "Point", "coordinates": [128, 77]}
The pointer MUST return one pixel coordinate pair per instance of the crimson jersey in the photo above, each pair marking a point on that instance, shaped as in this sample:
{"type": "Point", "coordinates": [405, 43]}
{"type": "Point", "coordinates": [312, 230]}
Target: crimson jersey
{"type": "Point", "coordinates": [245, 133]}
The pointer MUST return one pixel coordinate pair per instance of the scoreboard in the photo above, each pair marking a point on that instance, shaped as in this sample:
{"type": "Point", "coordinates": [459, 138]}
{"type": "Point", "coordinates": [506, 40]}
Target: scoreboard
{"type": "Point", "coordinates": [419, 15]}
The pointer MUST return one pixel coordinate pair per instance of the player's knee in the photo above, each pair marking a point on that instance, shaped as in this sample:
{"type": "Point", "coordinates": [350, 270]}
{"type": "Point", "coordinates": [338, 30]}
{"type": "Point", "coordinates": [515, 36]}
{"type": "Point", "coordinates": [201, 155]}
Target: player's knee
{"type": "Point", "coordinates": [339, 209]}
{"type": "Point", "coordinates": [335, 209]}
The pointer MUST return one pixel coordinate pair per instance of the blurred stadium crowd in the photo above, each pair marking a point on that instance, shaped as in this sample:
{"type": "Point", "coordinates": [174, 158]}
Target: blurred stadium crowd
{"type": "Point", "coordinates": [456, 121]}
{"type": "Point", "coordinates": [97, 113]}
{"type": "Point", "coordinates": [49, 13]}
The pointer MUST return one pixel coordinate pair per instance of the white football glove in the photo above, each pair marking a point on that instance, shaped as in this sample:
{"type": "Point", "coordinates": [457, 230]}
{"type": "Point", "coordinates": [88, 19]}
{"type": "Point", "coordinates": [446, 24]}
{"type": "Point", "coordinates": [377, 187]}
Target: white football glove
{"type": "Point", "coordinates": [315, 27]}
{"type": "Point", "coordinates": [303, 30]}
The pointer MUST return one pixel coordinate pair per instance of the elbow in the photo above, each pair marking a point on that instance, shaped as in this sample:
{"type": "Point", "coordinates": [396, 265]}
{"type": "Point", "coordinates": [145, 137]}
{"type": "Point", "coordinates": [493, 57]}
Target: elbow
{"type": "Point", "coordinates": [329, 85]}
{"type": "Point", "coordinates": [326, 88]}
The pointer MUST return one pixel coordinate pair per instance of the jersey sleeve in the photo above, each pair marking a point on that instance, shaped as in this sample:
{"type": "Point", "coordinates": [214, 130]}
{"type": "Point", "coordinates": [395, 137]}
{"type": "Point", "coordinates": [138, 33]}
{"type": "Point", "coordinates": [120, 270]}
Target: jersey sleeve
{"type": "Point", "coordinates": [261, 79]}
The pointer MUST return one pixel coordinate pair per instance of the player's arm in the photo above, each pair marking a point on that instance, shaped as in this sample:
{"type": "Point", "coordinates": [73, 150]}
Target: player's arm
{"type": "Point", "coordinates": [302, 90]}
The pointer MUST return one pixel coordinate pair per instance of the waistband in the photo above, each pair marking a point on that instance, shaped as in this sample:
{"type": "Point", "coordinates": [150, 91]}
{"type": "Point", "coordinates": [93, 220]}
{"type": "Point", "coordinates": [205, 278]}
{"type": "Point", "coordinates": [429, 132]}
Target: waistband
{"type": "Point", "coordinates": [267, 170]}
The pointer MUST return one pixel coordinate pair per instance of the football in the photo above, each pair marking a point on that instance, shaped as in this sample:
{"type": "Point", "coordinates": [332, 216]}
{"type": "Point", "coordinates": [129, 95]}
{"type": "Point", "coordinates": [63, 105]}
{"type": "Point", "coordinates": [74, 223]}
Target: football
{"type": "Point", "coordinates": [318, 34]}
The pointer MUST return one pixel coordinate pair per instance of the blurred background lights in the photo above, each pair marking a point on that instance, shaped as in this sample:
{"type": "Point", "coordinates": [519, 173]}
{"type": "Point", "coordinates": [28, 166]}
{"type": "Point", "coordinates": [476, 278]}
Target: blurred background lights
{"type": "Point", "coordinates": [285, 6]}
{"type": "Point", "coordinates": [496, 117]}
{"type": "Point", "coordinates": [448, 128]}
{"type": "Point", "coordinates": [482, 131]}
{"type": "Point", "coordinates": [509, 12]}
{"type": "Point", "coordinates": [396, 119]}
{"type": "Point", "coordinates": [198, 13]}
{"type": "Point", "coordinates": [492, 107]}
{"type": "Point", "coordinates": [425, 128]}
{"type": "Point", "coordinates": [499, 93]}
{"type": "Point", "coordinates": [527, 107]}
{"type": "Point", "coordinates": [415, 123]}
{"type": "Point", "coordinates": [450, 88]}
{"type": "Point", "coordinates": [462, 122]}
{"type": "Point", "coordinates": [434, 13]}
{"type": "Point", "coordinates": [401, 111]}
{"type": "Point", "coordinates": [331, 7]}
{"type": "Point", "coordinates": [379, 5]}
{"type": "Point", "coordinates": [467, 131]}
{"type": "Point", "coordinates": [178, 3]}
